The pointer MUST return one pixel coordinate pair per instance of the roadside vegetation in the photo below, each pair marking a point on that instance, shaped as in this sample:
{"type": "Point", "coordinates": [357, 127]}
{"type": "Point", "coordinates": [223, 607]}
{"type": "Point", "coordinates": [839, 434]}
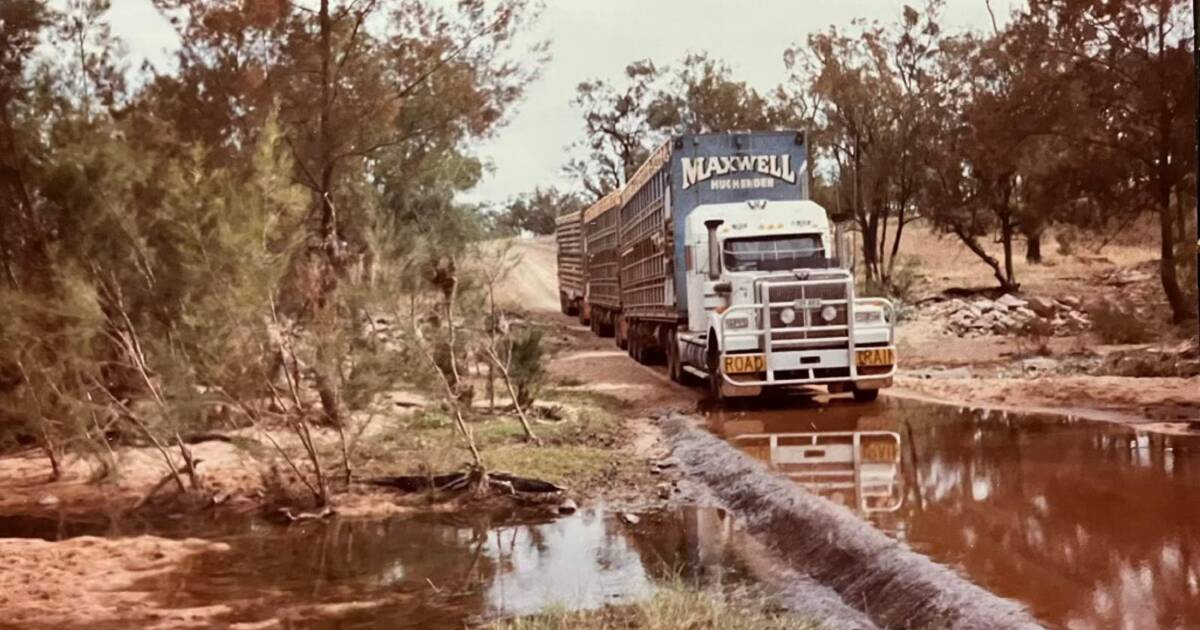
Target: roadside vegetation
{"type": "Point", "coordinates": [581, 437]}
{"type": "Point", "coordinates": [674, 606]}
{"type": "Point", "coordinates": [261, 244]}
{"type": "Point", "coordinates": [1067, 118]}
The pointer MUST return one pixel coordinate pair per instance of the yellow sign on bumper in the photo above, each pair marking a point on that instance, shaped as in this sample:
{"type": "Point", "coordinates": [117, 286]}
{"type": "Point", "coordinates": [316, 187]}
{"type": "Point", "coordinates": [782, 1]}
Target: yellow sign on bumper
{"type": "Point", "coordinates": [875, 357]}
{"type": "Point", "coordinates": [745, 364]}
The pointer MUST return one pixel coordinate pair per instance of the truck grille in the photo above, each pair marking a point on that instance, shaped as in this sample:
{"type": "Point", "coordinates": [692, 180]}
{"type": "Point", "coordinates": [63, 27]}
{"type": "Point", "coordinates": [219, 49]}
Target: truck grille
{"type": "Point", "coordinates": [807, 292]}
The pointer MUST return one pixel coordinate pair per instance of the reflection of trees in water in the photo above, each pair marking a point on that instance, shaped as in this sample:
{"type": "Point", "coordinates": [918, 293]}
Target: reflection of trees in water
{"type": "Point", "coordinates": [426, 571]}
{"type": "Point", "coordinates": [1082, 521]}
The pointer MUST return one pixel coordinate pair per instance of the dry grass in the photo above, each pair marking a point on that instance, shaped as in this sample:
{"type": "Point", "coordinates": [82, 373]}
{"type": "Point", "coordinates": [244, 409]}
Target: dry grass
{"type": "Point", "coordinates": [673, 607]}
{"type": "Point", "coordinates": [944, 262]}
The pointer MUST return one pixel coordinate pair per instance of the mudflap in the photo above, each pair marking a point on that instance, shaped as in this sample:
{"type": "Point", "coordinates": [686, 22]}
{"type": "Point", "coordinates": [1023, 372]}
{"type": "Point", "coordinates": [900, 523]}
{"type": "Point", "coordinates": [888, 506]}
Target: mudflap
{"type": "Point", "coordinates": [729, 390]}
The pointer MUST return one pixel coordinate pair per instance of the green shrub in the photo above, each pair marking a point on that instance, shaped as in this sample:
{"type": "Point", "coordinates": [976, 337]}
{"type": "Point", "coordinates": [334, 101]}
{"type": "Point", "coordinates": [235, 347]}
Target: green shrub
{"type": "Point", "coordinates": [1116, 324]}
{"type": "Point", "coordinates": [527, 364]}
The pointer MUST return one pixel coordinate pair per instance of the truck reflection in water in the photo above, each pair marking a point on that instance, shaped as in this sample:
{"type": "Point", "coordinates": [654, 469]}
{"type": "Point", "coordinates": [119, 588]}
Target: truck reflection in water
{"type": "Point", "coordinates": [1091, 525]}
{"type": "Point", "coordinates": [857, 469]}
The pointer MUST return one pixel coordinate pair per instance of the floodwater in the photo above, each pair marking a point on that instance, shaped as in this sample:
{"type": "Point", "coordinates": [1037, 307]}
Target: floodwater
{"type": "Point", "coordinates": [1090, 525]}
{"type": "Point", "coordinates": [430, 571]}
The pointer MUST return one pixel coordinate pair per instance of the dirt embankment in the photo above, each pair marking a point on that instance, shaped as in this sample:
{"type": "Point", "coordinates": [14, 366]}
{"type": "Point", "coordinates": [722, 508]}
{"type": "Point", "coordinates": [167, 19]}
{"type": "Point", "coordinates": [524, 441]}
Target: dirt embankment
{"type": "Point", "coordinates": [93, 582]}
{"type": "Point", "coordinates": [1068, 372]}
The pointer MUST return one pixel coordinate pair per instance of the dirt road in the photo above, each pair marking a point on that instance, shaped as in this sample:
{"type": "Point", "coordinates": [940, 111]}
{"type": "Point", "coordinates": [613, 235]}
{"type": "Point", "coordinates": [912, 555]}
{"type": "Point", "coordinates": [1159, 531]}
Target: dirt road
{"type": "Point", "coordinates": [532, 285]}
{"type": "Point", "coordinates": [1161, 404]}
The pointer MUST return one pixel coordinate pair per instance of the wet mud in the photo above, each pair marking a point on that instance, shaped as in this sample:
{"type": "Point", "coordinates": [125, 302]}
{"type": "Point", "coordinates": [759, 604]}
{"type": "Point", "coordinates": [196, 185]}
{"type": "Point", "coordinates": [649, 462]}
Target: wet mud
{"type": "Point", "coordinates": [1088, 525]}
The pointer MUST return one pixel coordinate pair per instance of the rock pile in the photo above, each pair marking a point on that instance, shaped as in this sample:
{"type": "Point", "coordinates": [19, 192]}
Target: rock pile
{"type": "Point", "coordinates": [1009, 314]}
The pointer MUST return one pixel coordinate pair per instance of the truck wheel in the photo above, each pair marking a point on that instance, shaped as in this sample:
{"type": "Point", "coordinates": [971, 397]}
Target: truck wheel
{"type": "Point", "coordinates": [674, 362]}
{"type": "Point", "coordinates": [715, 379]}
{"type": "Point", "coordinates": [621, 333]}
{"type": "Point", "coordinates": [563, 304]}
{"type": "Point", "coordinates": [865, 395]}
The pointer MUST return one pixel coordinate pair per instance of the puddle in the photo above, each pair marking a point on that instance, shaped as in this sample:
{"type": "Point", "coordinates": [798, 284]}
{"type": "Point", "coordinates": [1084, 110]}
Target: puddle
{"type": "Point", "coordinates": [1091, 525]}
{"type": "Point", "coordinates": [432, 571]}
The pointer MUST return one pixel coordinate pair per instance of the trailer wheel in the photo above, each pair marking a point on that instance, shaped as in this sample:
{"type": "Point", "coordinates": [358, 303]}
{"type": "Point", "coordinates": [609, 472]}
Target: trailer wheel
{"type": "Point", "coordinates": [602, 321]}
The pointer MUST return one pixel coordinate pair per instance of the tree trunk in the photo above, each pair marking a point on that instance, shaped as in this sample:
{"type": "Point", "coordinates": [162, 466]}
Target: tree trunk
{"type": "Point", "coordinates": [1033, 248]}
{"type": "Point", "coordinates": [325, 152]}
{"type": "Point", "coordinates": [1006, 238]}
{"type": "Point", "coordinates": [972, 244]}
{"type": "Point", "coordinates": [1181, 310]}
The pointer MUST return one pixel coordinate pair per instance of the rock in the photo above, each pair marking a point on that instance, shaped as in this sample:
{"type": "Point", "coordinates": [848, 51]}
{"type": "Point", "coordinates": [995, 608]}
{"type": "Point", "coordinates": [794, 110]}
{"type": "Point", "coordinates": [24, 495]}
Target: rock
{"type": "Point", "coordinates": [1043, 306]}
{"type": "Point", "coordinates": [567, 507]}
{"type": "Point", "coordinates": [630, 519]}
{"type": "Point", "coordinates": [1010, 301]}
{"type": "Point", "coordinates": [1039, 365]}
{"type": "Point", "coordinates": [48, 501]}
{"type": "Point", "coordinates": [950, 373]}
{"type": "Point", "coordinates": [984, 306]}
{"type": "Point", "coordinates": [1024, 314]}
{"type": "Point", "coordinates": [1070, 301]}
{"type": "Point", "coordinates": [667, 462]}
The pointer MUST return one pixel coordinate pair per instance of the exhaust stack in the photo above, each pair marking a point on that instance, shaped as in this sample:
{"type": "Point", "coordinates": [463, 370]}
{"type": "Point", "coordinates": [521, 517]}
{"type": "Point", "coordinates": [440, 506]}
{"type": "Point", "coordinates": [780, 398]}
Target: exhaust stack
{"type": "Point", "coordinates": [714, 248]}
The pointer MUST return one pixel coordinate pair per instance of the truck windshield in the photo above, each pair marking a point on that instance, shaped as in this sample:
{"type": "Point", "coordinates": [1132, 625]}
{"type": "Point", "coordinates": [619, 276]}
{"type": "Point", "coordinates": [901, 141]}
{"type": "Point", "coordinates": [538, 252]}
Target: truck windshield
{"type": "Point", "coordinates": [773, 253]}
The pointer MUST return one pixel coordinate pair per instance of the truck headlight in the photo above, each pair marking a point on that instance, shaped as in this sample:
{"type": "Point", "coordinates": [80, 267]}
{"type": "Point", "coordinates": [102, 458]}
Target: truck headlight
{"type": "Point", "coordinates": [829, 313]}
{"type": "Point", "coordinates": [787, 316]}
{"type": "Point", "coordinates": [868, 317]}
{"type": "Point", "coordinates": [737, 322]}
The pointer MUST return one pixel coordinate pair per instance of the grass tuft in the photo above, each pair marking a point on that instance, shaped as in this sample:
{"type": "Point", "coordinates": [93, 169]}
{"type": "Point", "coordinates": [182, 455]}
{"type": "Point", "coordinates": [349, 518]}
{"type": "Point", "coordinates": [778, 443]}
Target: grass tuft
{"type": "Point", "coordinates": [673, 607]}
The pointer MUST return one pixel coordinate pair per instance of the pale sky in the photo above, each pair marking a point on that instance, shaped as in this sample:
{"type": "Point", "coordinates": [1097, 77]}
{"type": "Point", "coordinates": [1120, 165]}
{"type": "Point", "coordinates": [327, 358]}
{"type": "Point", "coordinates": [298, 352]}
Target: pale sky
{"type": "Point", "coordinates": [596, 39]}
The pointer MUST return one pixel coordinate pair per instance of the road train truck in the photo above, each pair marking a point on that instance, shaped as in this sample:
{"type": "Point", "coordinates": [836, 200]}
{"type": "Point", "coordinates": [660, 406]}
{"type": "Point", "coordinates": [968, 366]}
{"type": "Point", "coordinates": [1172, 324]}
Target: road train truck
{"type": "Point", "coordinates": [713, 258]}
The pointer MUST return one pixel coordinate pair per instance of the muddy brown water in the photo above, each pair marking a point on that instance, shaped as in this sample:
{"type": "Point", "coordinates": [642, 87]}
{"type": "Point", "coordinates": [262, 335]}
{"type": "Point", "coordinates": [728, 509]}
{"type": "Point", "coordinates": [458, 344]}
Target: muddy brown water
{"type": "Point", "coordinates": [1090, 525]}
{"type": "Point", "coordinates": [428, 571]}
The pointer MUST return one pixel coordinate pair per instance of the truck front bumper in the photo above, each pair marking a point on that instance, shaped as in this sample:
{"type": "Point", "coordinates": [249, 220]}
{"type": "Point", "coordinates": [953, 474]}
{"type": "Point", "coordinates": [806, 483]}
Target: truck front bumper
{"type": "Point", "coordinates": [767, 349]}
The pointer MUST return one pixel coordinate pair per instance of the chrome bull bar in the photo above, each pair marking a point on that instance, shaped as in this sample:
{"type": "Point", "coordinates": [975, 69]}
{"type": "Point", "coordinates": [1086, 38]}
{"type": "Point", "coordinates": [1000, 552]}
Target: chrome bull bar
{"type": "Point", "coordinates": [763, 330]}
{"type": "Point", "coordinates": [836, 460]}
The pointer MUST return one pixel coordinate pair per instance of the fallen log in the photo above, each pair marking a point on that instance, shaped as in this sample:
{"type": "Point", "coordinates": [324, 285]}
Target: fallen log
{"type": "Point", "coordinates": [505, 483]}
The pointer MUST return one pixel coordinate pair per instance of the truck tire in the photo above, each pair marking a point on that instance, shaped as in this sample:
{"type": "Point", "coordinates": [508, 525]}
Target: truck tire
{"type": "Point", "coordinates": [621, 333]}
{"type": "Point", "coordinates": [715, 379]}
{"type": "Point", "coordinates": [865, 395]}
{"type": "Point", "coordinates": [564, 305]}
{"type": "Point", "coordinates": [675, 362]}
